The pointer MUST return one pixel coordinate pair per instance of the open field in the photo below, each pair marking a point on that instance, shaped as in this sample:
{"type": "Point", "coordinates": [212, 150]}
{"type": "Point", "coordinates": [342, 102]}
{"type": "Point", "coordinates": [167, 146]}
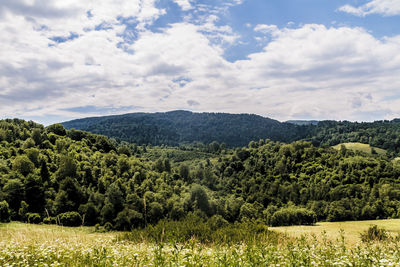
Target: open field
{"type": "Point", "coordinates": [351, 229]}
{"type": "Point", "coordinates": [40, 245]}
{"type": "Point", "coordinates": [361, 147]}
{"type": "Point", "coordinates": [30, 234]}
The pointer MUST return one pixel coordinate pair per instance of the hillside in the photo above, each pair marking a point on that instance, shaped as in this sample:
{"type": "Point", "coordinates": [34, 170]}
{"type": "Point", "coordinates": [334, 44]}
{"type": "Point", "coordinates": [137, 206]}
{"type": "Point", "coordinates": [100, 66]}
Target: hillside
{"type": "Point", "coordinates": [236, 130]}
{"type": "Point", "coordinates": [73, 177]}
{"type": "Point", "coordinates": [177, 127]}
{"type": "Point", "coordinates": [380, 134]}
{"type": "Point", "coordinates": [361, 147]}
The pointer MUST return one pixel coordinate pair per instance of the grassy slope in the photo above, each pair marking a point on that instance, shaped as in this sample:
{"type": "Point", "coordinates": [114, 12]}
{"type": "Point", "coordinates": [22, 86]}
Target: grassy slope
{"type": "Point", "coordinates": [361, 147]}
{"type": "Point", "coordinates": [43, 245]}
{"type": "Point", "coordinates": [30, 233]}
{"type": "Point", "coordinates": [352, 229]}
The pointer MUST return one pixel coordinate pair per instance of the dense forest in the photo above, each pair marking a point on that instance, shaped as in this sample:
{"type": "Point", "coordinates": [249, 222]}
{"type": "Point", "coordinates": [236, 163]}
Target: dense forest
{"type": "Point", "coordinates": [382, 134]}
{"type": "Point", "coordinates": [237, 130]}
{"type": "Point", "coordinates": [71, 177]}
{"type": "Point", "coordinates": [182, 127]}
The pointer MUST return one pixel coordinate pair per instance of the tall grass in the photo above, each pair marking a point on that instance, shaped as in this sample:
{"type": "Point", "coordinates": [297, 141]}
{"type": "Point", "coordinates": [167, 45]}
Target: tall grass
{"type": "Point", "coordinates": [100, 250]}
{"type": "Point", "coordinates": [205, 232]}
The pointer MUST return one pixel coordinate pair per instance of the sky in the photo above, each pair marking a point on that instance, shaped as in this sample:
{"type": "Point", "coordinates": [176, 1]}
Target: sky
{"type": "Point", "coordinates": [283, 59]}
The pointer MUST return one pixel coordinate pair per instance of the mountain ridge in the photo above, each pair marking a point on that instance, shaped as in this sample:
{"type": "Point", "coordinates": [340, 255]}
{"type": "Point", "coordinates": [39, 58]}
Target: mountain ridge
{"type": "Point", "coordinates": [177, 127]}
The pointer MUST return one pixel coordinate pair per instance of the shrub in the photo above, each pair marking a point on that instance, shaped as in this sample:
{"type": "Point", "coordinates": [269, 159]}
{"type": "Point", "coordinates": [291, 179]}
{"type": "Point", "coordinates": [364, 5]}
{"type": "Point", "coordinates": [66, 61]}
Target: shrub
{"type": "Point", "coordinates": [374, 234]}
{"type": "Point", "coordinates": [216, 222]}
{"type": "Point", "coordinates": [4, 211]}
{"type": "Point", "coordinates": [215, 230]}
{"type": "Point", "coordinates": [103, 229]}
{"type": "Point", "coordinates": [293, 216]}
{"type": "Point", "coordinates": [33, 218]}
{"type": "Point", "coordinates": [50, 220]}
{"type": "Point", "coordinates": [128, 219]}
{"type": "Point", "coordinates": [108, 226]}
{"type": "Point", "coordinates": [71, 218]}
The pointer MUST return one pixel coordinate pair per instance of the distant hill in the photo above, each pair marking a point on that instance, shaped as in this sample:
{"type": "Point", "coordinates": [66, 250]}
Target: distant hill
{"type": "Point", "coordinates": [303, 122]}
{"type": "Point", "coordinates": [236, 130]}
{"type": "Point", "coordinates": [177, 127]}
{"type": "Point", "coordinates": [381, 134]}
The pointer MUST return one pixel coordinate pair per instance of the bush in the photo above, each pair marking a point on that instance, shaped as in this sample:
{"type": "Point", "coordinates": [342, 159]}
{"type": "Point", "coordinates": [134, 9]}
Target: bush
{"type": "Point", "coordinates": [128, 219]}
{"type": "Point", "coordinates": [103, 229]}
{"type": "Point", "coordinates": [33, 218]}
{"type": "Point", "coordinates": [50, 220]}
{"type": "Point", "coordinates": [374, 234]}
{"type": "Point", "coordinates": [4, 211]}
{"type": "Point", "coordinates": [71, 218]}
{"type": "Point", "coordinates": [215, 230]}
{"type": "Point", "coordinates": [293, 216]}
{"type": "Point", "coordinates": [216, 222]}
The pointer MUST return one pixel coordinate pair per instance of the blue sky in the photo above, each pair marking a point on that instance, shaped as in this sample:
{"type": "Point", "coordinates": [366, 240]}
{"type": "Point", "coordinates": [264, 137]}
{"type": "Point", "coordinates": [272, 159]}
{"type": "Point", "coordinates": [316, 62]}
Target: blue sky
{"type": "Point", "coordinates": [284, 59]}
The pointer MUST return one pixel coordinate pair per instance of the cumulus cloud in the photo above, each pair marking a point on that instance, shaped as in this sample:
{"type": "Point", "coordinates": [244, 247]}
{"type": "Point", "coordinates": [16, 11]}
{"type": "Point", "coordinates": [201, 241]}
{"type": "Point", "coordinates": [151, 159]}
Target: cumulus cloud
{"type": "Point", "coordinates": [266, 28]}
{"type": "Point", "coordinates": [184, 4]}
{"type": "Point", "coordinates": [311, 72]}
{"type": "Point", "coordinates": [383, 7]}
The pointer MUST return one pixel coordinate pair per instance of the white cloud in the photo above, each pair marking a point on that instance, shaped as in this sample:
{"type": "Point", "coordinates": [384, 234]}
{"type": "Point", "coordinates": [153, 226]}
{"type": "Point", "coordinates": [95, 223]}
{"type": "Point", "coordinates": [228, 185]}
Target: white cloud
{"type": "Point", "coordinates": [184, 4]}
{"type": "Point", "coordinates": [307, 72]}
{"type": "Point", "coordinates": [266, 29]}
{"type": "Point", "coordinates": [383, 7]}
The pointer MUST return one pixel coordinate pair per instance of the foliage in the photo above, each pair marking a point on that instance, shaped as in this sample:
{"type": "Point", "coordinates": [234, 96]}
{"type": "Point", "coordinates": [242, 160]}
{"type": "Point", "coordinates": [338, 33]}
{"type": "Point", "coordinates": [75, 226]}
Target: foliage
{"type": "Point", "coordinates": [237, 130]}
{"type": "Point", "coordinates": [71, 218]}
{"type": "Point", "coordinates": [125, 186]}
{"type": "Point", "coordinates": [292, 216]}
{"type": "Point", "coordinates": [213, 230]}
{"type": "Point", "coordinates": [81, 247]}
{"type": "Point", "coordinates": [179, 127]}
{"type": "Point", "coordinates": [4, 211]}
{"type": "Point", "coordinates": [374, 233]}
{"type": "Point", "coordinates": [33, 218]}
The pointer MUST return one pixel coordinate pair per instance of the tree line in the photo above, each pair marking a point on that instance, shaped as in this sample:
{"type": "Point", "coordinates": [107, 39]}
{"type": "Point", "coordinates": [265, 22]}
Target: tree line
{"type": "Point", "coordinates": [71, 177]}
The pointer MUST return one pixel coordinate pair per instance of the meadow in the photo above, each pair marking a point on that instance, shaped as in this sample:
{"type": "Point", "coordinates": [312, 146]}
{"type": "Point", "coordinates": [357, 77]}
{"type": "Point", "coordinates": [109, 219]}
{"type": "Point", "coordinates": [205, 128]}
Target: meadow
{"type": "Point", "coordinates": [49, 245]}
{"type": "Point", "coordinates": [351, 229]}
{"type": "Point", "coordinates": [366, 148]}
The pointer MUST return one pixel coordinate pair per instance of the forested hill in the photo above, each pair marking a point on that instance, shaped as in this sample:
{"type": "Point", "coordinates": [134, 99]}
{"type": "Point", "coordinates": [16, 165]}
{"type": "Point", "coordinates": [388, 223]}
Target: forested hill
{"type": "Point", "coordinates": [236, 130]}
{"type": "Point", "coordinates": [73, 177]}
{"type": "Point", "coordinates": [177, 127]}
{"type": "Point", "coordinates": [382, 134]}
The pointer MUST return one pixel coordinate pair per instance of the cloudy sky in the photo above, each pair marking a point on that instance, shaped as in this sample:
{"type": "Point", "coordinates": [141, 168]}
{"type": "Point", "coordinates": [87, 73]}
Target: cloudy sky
{"type": "Point", "coordinates": [284, 59]}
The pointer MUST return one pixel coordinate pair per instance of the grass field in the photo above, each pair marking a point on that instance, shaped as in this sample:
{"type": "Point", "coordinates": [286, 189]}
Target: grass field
{"type": "Point", "coordinates": [361, 147]}
{"type": "Point", "coordinates": [352, 229]}
{"type": "Point", "coordinates": [43, 245]}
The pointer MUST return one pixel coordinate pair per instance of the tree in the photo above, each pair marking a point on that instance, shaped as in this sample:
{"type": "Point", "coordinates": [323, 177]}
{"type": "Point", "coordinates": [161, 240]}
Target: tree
{"type": "Point", "coordinates": [4, 211]}
{"type": "Point", "coordinates": [37, 136]}
{"type": "Point", "coordinates": [90, 213]}
{"type": "Point", "coordinates": [155, 212]}
{"type": "Point", "coordinates": [34, 193]}
{"type": "Point", "coordinates": [14, 192]}
{"type": "Point", "coordinates": [23, 165]}
{"type": "Point", "coordinates": [67, 168]}
{"type": "Point", "coordinates": [44, 172]}
{"type": "Point", "coordinates": [128, 219]}
{"type": "Point", "coordinates": [247, 210]}
{"type": "Point", "coordinates": [23, 210]}
{"type": "Point", "coordinates": [123, 165]}
{"type": "Point", "coordinates": [199, 198]}
{"type": "Point", "coordinates": [115, 197]}
{"type": "Point", "coordinates": [69, 197]}
{"type": "Point", "coordinates": [56, 129]}
{"type": "Point", "coordinates": [167, 165]}
{"type": "Point", "coordinates": [184, 172]}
